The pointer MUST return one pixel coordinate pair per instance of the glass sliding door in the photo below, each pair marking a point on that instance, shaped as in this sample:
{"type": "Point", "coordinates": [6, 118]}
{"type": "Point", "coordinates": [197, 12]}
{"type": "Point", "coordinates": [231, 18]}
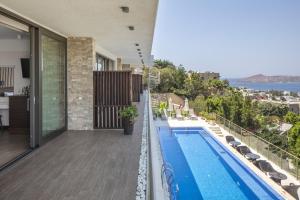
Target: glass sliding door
{"type": "Point", "coordinates": [53, 85]}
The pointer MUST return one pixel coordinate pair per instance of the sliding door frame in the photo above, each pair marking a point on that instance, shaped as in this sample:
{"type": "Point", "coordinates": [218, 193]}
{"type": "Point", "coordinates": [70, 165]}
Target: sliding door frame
{"type": "Point", "coordinates": [36, 31]}
{"type": "Point", "coordinates": [33, 134]}
{"type": "Point", "coordinates": [43, 140]}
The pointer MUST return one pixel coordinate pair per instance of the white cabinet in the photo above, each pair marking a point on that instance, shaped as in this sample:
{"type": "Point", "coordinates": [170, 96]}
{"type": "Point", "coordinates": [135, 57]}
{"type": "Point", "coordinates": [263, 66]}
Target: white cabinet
{"type": "Point", "coordinates": [4, 110]}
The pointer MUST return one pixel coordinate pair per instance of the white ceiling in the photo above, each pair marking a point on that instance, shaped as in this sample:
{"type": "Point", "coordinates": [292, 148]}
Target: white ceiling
{"type": "Point", "coordinates": [101, 19]}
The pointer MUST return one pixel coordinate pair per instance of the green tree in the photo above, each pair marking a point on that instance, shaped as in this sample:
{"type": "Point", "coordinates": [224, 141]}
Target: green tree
{"type": "Point", "coordinates": [269, 109]}
{"type": "Point", "coordinates": [294, 139]}
{"type": "Point", "coordinates": [291, 118]}
{"type": "Point", "coordinates": [179, 77]}
{"type": "Point", "coordinates": [167, 81]}
{"type": "Point", "coordinates": [193, 86]}
{"type": "Point", "coordinates": [199, 104]}
{"type": "Point", "coordinates": [216, 86]}
{"type": "Point", "coordinates": [213, 104]}
{"type": "Point", "coordinates": [236, 108]}
{"type": "Point", "coordinates": [248, 120]}
{"type": "Point", "coordinates": [226, 107]}
{"type": "Point", "coordinates": [160, 64]}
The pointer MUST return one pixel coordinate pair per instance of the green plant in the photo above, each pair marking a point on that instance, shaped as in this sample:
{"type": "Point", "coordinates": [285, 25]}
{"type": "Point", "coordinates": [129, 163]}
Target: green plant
{"type": "Point", "coordinates": [157, 112]}
{"type": "Point", "coordinates": [129, 112]}
{"type": "Point", "coordinates": [162, 106]}
{"type": "Point", "coordinates": [208, 116]}
{"type": "Point", "coordinates": [185, 113]}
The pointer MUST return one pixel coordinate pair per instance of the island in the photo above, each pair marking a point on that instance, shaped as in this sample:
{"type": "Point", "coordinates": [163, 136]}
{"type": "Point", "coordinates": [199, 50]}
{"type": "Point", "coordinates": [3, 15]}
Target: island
{"type": "Point", "coordinates": [260, 78]}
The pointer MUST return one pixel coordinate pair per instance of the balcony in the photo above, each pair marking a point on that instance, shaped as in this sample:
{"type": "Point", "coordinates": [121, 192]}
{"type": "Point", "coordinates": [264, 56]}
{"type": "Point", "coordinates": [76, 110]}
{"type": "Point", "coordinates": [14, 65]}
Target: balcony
{"type": "Point", "coordinates": [100, 164]}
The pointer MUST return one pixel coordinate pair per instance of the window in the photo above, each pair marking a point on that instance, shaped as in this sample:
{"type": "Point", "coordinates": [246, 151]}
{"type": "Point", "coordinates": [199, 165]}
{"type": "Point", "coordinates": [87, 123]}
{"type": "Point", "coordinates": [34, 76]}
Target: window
{"type": "Point", "coordinates": [103, 64]}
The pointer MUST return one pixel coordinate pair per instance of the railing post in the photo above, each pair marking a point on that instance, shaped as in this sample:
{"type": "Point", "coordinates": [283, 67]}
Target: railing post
{"type": "Point", "coordinates": [280, 159]}
{"type": "Point", "coordinates": [297, 173]}
{"type": "Point", "coordinates": [249, 139]}
{"type": "Point", "coordinates": [256, 144]}
{"type": "Point", "coordinates": [241, 133]}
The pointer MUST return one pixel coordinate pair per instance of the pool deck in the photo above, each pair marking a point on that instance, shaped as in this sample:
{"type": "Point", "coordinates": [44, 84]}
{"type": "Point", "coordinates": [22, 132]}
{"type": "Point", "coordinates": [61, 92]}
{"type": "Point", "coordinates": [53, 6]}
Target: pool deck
{"type": "Point", "coordinates": [79, 165]}
{"type": "Point", "coordinates": [201, 123]}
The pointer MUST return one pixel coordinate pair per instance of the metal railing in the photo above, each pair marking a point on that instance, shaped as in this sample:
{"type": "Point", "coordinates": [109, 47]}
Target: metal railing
{"type": "Point", "coordinates": [167, 173]}
{"type": "Point", "coordinates": [158, 189]}
{"type": "Point", "coordinates": [277, 155]}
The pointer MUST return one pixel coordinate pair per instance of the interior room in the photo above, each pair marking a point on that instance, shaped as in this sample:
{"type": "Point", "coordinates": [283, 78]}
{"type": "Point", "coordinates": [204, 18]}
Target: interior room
{"type": "Point", "coordinates": [14, 91]}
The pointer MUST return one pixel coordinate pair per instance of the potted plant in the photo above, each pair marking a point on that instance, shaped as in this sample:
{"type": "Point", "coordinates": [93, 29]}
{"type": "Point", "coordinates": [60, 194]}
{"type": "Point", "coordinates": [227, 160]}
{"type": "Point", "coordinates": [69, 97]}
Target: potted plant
{"type": "Point", "coordinates": [128, 115]}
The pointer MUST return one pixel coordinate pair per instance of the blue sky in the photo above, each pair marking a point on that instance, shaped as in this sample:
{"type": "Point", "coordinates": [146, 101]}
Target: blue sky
{"type": "Point", "coordinates": [237, 38]}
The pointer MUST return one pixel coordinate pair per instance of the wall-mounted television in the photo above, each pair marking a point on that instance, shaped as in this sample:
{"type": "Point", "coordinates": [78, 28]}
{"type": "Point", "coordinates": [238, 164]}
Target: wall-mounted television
{"type": "Point", "coordinates": [25, 64]}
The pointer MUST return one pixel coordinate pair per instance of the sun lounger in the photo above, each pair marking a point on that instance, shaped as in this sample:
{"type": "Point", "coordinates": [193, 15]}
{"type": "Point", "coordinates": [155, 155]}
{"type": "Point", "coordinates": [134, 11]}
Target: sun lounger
{"type": "Point", "coordinates": [216, 130]}
{"type": "Point", "coordinates": [293, 190]}
{"type": "Point", "coordinates": [268, 169]}
{"type": "Point", "coordinates": [178, 115]}
{"type": "Point", "coordinates": [245, 151]}
{"type": "Point", "coordinates": [192, 115]}
{"type": "Point", "coordinates": [229, 138]}
{"type": "Point", "coordinates": [231, 141]}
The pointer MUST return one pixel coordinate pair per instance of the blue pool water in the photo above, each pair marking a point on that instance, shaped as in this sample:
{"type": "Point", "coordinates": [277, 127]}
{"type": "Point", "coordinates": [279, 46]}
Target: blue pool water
{"type": "Point", "coordinates": [205, 169]}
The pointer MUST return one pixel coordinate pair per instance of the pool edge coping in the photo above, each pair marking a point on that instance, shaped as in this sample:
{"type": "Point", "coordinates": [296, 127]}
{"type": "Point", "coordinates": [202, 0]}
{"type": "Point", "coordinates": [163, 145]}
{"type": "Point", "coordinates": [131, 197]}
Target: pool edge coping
{"type": "Point", "coordinates": [251, 166]}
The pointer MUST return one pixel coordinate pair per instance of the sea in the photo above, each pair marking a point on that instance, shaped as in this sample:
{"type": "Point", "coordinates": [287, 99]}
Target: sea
{"type": "Point", "coordinates": [292, 87]}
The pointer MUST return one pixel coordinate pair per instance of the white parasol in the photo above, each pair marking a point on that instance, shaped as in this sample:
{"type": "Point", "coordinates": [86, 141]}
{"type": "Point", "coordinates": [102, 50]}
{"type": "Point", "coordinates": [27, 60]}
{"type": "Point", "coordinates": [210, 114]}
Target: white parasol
{"type": "Point", "coordinates": [186, 105]}
{"type": "Point", "coordinates": [170, 103]}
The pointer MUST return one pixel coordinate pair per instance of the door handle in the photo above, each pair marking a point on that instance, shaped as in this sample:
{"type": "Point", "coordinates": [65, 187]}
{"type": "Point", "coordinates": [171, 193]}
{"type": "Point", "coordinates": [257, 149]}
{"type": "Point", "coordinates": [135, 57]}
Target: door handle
{"type": "Point", "coordinates": [28, 106]}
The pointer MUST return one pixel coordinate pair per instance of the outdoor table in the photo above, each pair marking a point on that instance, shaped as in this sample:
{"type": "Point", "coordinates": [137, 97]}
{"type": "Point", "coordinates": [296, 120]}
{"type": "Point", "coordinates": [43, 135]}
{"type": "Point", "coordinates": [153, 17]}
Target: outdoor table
{"type": "Point", "coordinates": [252, 156]}
{"type": "Point", "coordinates": [234, 143]}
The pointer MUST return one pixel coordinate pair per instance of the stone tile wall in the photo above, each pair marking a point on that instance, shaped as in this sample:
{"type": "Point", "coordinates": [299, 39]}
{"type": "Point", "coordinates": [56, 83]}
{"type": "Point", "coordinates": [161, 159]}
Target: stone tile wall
{"type": "Point", "coordinates": [81, 60]}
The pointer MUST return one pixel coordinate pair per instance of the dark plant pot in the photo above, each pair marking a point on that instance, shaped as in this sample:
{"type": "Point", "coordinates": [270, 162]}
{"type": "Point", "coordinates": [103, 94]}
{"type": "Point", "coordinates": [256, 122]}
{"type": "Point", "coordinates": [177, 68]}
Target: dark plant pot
{"type": "Point", "coordinates": [128, 126]}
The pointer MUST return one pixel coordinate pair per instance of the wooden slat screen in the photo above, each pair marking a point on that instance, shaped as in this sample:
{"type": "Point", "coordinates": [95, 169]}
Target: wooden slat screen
{"type": "Point", "coordinates": [7, 76]}
{"type": "Point", "coordinates": [112, 92]}
{"type": "Point", "coordinates": [141, 84]}
{"type": "Point", "coordinates": [136, 87]}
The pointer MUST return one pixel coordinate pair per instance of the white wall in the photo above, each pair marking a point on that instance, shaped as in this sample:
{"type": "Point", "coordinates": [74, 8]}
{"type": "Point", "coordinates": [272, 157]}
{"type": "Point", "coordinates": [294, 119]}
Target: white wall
{"type": "Point", "coordinates": [11, 50]}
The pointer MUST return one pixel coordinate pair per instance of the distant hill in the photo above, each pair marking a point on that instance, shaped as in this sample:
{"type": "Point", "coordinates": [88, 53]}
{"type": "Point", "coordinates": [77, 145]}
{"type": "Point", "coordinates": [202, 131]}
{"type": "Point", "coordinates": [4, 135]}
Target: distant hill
{"type": "Point", "coordinates": [260, 78]}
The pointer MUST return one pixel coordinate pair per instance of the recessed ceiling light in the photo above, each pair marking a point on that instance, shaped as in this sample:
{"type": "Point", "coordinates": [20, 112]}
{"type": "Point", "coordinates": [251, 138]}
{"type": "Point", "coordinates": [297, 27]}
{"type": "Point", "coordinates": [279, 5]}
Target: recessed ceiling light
{"type": "Point", "coordinates": [141, 56]}
{"type": "Point", "coordinates": [140, 52]}
{"type": "Point", "coordinates": [131, 28]}
{"type": "Point", "coordinates": [139, 49]}
{"type": "Point", "coordinates": [125, 9]}
{"type": "Point", "coordinates": [137, 44]}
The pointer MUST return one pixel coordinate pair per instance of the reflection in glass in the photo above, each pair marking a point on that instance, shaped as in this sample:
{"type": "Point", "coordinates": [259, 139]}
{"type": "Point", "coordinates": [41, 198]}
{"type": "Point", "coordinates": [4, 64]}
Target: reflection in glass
{"type": "Point", "coordinates": [53, 85]}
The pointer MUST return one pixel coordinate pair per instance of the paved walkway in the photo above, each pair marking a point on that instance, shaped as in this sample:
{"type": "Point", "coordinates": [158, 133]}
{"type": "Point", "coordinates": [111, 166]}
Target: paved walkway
{"type": "Point", "coordinates": [78, 165]}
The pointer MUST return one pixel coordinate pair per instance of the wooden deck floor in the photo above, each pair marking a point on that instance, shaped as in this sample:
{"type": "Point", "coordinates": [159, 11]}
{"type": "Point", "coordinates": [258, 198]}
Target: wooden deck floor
{"type": "Point", "coordinates": [100, 165]}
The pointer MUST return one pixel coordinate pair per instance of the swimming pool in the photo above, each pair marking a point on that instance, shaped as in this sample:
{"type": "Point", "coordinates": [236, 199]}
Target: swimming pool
{"type": "Point", "coordinates": [205, 169]}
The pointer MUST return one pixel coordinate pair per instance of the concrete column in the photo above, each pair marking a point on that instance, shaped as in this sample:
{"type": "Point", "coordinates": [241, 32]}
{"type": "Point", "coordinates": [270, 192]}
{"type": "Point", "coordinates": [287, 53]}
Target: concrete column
{"type": "Point", "coordinates": [119, 64]}
{"type": "Point", "coordinates": [81, 61]}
